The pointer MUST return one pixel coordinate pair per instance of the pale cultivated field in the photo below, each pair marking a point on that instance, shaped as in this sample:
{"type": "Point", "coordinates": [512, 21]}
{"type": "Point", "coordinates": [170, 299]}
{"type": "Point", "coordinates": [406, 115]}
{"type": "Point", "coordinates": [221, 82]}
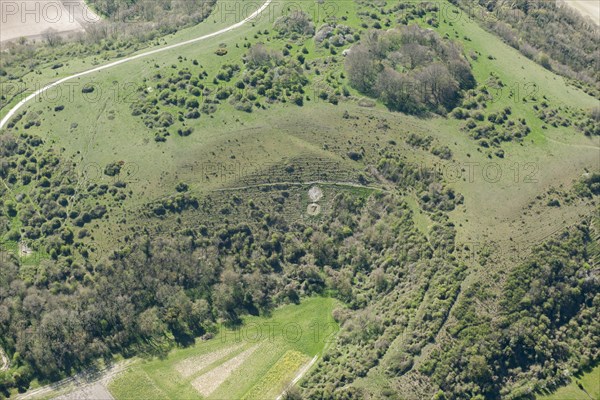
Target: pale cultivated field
{"type": "Point", "coordinates": [190, 366]}
{"type": "Point", "coordinates": [31, 18]}
{"type": "Point", "coordinates": [588, 8]}
{"type": "Point", "coordinates": [210, 381]}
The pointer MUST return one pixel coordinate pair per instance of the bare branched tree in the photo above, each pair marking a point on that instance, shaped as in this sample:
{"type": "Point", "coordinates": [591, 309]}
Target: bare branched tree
{"type": "Point", "coordinates": [51, 37]}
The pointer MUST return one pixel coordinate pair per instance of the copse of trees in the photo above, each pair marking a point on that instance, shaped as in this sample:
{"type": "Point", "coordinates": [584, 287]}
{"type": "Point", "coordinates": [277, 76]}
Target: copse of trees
{"type": "Point", "coordinates": [410, 69]}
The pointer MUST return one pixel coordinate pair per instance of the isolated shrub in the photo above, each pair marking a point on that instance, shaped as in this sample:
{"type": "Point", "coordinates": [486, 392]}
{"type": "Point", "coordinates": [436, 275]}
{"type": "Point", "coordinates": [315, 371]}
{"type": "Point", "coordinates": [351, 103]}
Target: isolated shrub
{"type": "Point", "coordinates": [297, 22]}
{"type": "Point", "coordinates": [185, 131]}
{"type": "Point", "coordinates": [544, 61]}
{"type": "Point", "coordinates": [223, 93]}
{"type": "Point", "coordinates": [192, 103]}
{"type": "Point", "coordinates": [298, 100]}
{"type": "Point", "coordinates": [165, 119]}
{"type": "Point", "coordinates": [193, 114]}
{"type": "Point", "coordinates": [245, 106]}
{"type": "Point", "coordinates": [460, 113]}
{"type": "Point", "coordinates": [442, 152]}
{"type": "Point", "coordinates": [355, 156]}
{"type": "Point", "coordinates": [182, 187]}
{"type": "Point", "coordinates": [112, 169]}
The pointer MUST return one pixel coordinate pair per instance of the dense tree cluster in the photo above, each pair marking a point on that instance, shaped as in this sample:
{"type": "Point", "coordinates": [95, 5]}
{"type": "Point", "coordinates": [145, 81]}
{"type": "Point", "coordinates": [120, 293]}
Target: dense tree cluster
{"type": "Point", "coordinates": [515, 338]}
{"type": "Point", "coordinates": [544, 325]}
{"type": "Point", "coordinates": [173, 288]}
{"type": "Point", "coordinates": [410, 69]}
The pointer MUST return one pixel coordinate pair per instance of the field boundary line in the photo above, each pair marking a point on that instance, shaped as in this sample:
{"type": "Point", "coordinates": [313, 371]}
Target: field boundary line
{"type": "Point", "coordinates": [332, 183]}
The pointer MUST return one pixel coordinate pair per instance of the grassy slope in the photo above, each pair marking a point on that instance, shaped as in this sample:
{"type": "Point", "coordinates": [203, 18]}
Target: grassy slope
{"type": "Point", "coordinates": [42, 75]}
{"type": "Point", "coordinates": [492, 210]}
{"type": "Point", "coordinates": [591, 385]}
{"type": "Point", "coordinates": [159, 379]}
{"type": "Point", "coordinates": [253, 139]}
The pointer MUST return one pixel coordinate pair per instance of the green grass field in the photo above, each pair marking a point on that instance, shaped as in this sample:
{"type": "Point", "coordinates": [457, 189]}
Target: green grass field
{"type": "Point", "coordinates": [590, 381]}
{"type": "Point", "coordinates": [280, 345]}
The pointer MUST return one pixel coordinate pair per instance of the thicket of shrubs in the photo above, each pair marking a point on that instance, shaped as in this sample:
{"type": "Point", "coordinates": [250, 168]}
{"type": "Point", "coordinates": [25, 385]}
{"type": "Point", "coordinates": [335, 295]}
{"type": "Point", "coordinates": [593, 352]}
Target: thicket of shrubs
{"type": "Point", "coordinates": [265, 76]}
{"type": "Point", "coordinates": [490, 128]}
{"type": "Point", "coordinates": [544, 325]}
{"type": "Point", "coordinates": [337, 35]}
{"type": "Point", "coordinates": [294, 25]}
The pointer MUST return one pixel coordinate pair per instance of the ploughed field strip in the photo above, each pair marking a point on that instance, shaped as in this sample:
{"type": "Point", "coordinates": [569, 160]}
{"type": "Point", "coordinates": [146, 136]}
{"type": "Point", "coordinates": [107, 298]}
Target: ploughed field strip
{"type": "Point", "coordinates": [208, 382]}
{"type": "Point", "coordinates": [193, 365]}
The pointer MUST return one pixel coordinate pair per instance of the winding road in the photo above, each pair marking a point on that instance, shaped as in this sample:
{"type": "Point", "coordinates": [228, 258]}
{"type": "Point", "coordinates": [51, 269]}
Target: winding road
{"type": "Point", "coordinates": [33, 95]}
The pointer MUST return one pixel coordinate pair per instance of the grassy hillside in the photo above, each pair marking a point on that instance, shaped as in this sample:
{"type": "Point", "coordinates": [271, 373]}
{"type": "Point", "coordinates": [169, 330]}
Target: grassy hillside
{"type": "Point", "coordinates": [585, 386]}
{"type": "Point", "coordinates": [204, 156]}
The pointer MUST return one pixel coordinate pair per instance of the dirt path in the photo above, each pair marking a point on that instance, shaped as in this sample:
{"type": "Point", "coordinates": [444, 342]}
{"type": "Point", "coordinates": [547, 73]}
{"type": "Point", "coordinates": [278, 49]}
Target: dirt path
{"type": "Point", "coordinates": [299, 376]}
{"type": "Point", "coordinates": [334, 183]}
{"type": "Point", "coordinates": [96, 391]}
{"type": "Point", "coordinates": [581, 146]}
{"type": "Point", "coordinates": [35, 94]}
